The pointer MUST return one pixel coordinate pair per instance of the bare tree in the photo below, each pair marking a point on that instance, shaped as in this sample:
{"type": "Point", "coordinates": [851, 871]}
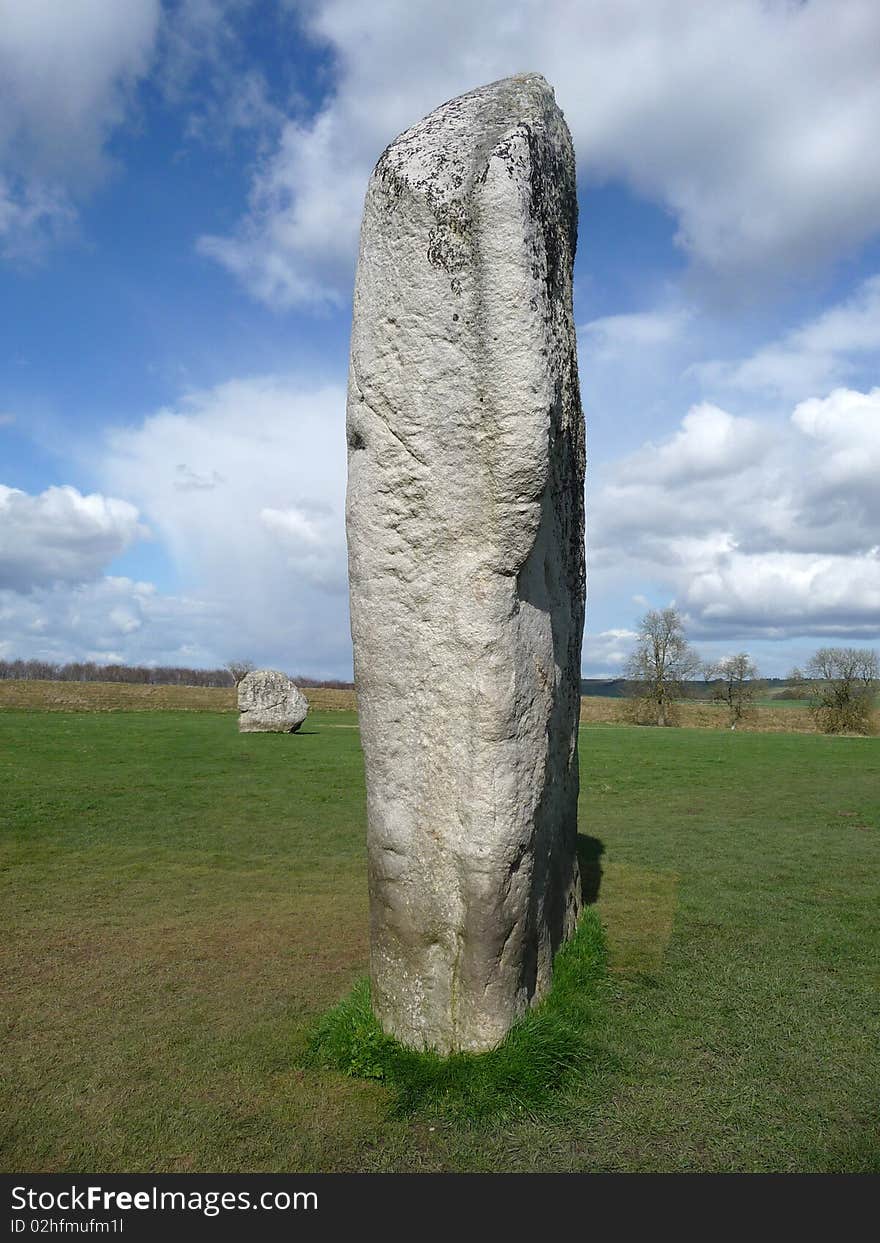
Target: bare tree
{"type": "Point", "coordinates": [238, 669]}
{"type": "Point", "coordinates": [843, 687]}
{"type": "Point", "coordinates": [660, 667]}
{"type": "Point", "coordinates": [734, 684]}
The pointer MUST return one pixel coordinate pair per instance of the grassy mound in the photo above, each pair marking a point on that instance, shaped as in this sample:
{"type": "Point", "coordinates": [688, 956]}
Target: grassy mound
{"type": "Point", "coordinates": [523, 1075]}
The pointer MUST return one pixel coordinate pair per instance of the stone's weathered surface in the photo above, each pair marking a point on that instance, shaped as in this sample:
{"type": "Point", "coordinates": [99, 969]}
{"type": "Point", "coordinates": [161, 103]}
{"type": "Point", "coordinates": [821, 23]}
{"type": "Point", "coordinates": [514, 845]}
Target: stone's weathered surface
{"type": "Point", "coordinates": [466, 557]}
{"type": "Point", "coordinates": [268, 702]}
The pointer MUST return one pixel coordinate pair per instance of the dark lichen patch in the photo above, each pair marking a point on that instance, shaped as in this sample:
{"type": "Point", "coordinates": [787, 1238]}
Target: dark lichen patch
{"type": "Point", "coordinates": [449, 242]}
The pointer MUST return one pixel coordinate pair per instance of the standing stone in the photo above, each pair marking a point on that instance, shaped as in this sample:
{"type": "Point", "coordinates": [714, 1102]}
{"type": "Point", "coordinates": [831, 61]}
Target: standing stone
{"type": "Point", "coordinates": [466, 557]}
{"type": "Point", "coordinates": [269, 703]}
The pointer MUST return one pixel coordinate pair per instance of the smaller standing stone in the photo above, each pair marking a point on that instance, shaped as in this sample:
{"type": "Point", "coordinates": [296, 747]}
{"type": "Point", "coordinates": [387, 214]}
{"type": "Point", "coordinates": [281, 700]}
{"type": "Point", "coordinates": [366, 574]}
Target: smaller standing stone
{"type": "Point", "coordinates": [268, 702]}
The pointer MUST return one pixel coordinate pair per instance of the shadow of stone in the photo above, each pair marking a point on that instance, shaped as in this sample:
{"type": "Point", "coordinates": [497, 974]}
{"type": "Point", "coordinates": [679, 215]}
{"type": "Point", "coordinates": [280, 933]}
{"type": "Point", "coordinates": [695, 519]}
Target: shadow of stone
{"type": "Point", "coordinates": [589, 852]}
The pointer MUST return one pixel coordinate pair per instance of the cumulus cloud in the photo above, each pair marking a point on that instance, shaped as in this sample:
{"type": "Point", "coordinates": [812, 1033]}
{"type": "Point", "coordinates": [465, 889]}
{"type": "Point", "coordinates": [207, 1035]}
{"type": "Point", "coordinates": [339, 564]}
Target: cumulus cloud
{"type": "Point", "coordinates": [846, 426]}
{"type": "Point", "coordinates": [616, 336]}
{"type": "Point", "coordinates": [709, 444]}
{"type": "Point", "coordinates": [61, 535]}
{"type": "Point", "coordinates": [67, 71]}
{"type": "Point", "coordinates": [244, 487]}
{"type": "Point", "coordinates": [755, 531]}
{"type": "Point", "coordinates": [779, 594]}
{"type": "Point", "coordinates": [818, 354]}
{"type": "Point", "coordinates": [245, 484]}
{"type": "Point", "coordinates": [752, 125]}
{"type": "Point", "coordinates": [112, 619]}
{"type": "Point", "coordinates": [606, 651]}
{"type": "Point", "coordinates": [297, 242]}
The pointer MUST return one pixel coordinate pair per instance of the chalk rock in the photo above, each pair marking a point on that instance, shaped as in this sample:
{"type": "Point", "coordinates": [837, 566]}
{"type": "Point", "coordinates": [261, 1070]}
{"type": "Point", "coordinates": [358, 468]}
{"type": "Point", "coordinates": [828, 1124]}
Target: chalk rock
{"type": "Point", "coordinates": [466, 556]}
{"type": "Point", "coordinates": [268, 702]}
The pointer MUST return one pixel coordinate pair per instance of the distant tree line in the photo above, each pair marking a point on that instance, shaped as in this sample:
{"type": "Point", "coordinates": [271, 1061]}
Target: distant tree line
{"type": "Point", "coordinates": [89, 671]}
{"type": "Point", "coordinates": [238, 668]}
{"type": "Point", "coordinates": [144, 675]}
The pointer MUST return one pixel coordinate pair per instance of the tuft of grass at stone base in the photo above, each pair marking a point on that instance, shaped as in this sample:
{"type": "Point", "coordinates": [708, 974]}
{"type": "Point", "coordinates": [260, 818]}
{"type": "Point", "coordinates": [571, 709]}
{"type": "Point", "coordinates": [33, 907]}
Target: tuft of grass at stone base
{"type": "Point", "coordinates": [524, 1075]}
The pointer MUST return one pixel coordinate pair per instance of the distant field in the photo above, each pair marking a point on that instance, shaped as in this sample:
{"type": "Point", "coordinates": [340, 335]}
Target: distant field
{"type": "Point", "coordinates": [131, 697]}
{"type": "Point", "coordinates": [180, 902]}
{"type": "Point", "coordinates": [787, 718]}
{"type": "Point", "coordinates": [771, 716]}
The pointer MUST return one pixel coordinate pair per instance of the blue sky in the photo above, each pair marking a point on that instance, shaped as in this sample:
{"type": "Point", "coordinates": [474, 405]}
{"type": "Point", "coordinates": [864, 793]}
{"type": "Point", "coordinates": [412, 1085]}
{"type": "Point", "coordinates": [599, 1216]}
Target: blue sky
{"type": "Point", "coordinates": [180, 195]}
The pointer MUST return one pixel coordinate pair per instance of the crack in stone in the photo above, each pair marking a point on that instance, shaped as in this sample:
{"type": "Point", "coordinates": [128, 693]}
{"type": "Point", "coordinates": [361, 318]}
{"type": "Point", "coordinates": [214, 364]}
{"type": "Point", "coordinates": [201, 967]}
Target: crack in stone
{"type": "Point", "coordinates": [386, 422]}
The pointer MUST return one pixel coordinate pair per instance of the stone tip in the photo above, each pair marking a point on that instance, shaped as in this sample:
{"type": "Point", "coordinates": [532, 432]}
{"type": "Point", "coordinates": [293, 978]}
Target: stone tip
{"type": "Point", "coordinates": [510, 87]}
{"type": "Point", "coordinates": [448, 148]}
{"type": "Point", "coordinates": [525, 76]}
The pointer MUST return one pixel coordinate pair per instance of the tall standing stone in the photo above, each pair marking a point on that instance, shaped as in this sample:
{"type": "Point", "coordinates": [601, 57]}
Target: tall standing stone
{"type": "Point", "coordinates": [466, 558]}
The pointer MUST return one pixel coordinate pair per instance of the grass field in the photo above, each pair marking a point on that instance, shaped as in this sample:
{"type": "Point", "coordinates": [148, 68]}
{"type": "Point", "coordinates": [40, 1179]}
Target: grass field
{"type": "Point", "coordinates": [132, 697]}
{"type": "Point", "coordinates": [764, 718]}
{"type": "Point", "coordinates": [182, 903]}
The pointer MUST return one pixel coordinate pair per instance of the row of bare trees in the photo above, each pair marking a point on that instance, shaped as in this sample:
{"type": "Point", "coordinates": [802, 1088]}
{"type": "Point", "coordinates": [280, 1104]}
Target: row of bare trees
{"type": "Point", "coordinates": [840, 684]}
{"type": "Point", "coordinates": [89, 671]}
{"type": "Point", "coordinates": [239, 668]}
{"type": "Point", "coordinates": [144, 675]}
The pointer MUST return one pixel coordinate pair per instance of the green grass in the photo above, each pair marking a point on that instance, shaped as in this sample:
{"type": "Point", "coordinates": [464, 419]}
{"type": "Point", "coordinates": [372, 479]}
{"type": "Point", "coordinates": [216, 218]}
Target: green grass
{"type": "Point", "coordinates": [181, 905]}
{"type": "Point", "coordinates": [525, 1074]}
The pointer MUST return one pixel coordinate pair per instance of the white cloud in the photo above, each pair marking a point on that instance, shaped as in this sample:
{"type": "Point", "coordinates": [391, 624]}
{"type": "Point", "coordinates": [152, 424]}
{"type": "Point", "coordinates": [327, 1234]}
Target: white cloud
{"type": "Point", "coordinates": [777, 594]}
{"type": "Point", "coordinates": [297, 243]}
{"type": "Point", "coordinates": [845, 428]}
{"type": "Point", "coordinates": [710, 443]}
{"type": "Point", "coordinates": [113, 619]}
{"type": "Point", "coordinates": [754, 531]}
{"type": "Point", "coordinates": [816, 355]}
{"type": "Point", "coordinates": [605, 651]}
{"type": "Point", "coordinates": [245, 484]}
{"type": "Point", "coordinates": [61, 535]}
{"type": "Point", "coordinates": [67, 69]}
{"type": "Point", "coordinates": [752, 123]}
{"type": "Point", "coordinates": [616, 336]}
{"type": "Point", "coordinates": [244, 487]}
{"type": "Point", "coordinates": [124, 619]}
